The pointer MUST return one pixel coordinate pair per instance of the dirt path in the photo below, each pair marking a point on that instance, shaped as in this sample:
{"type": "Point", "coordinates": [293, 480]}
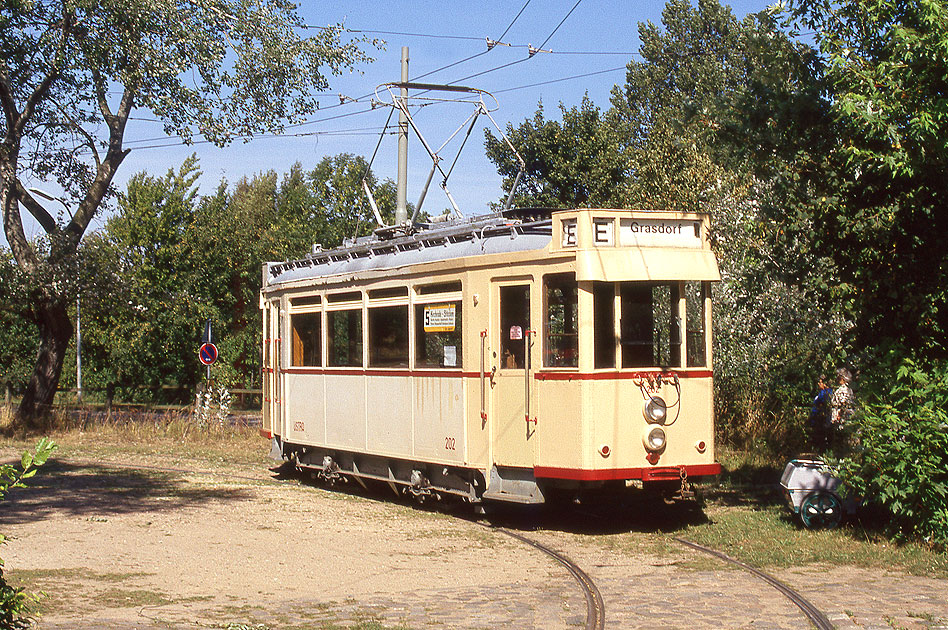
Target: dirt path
{"type": "Point", "coordinates": [120, 548]}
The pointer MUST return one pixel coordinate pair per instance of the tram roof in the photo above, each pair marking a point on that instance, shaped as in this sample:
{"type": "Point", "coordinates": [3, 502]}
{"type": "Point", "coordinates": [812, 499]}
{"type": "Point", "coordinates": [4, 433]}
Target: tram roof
{"type": "Point", "coordinates": [390, 248]}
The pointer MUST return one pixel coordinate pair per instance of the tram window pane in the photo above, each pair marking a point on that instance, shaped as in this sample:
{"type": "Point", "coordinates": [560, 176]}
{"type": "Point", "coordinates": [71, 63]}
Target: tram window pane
{"type": "Point", "coordinates": [438, 335]}
{"type": "Point", "coordinates": [514, 324]}
{"type": "Point", "coordinates": [695, 337]}
{"type": "Point", "coordinates": [306, 334]}
{"type": "Point", "coordinates": [344, 330]}
{"type": "Point", "coordinates": [604, 318]}
{"type": "Point", "coordinates": [392, 292]}
{"type": "Point", "coordinates": [441, 287]}
{"type": "Point", "coordinates": [561, 338]}
{"type": "Point", "coordinates": [649, 325]}
{"type": "Point", "coordinates": [388, 336]}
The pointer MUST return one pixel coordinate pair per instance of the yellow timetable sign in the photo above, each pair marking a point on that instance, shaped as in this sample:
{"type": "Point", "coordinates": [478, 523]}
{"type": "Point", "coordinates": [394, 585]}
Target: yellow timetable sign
{"type": "Point", "coordinates": [439, 318]}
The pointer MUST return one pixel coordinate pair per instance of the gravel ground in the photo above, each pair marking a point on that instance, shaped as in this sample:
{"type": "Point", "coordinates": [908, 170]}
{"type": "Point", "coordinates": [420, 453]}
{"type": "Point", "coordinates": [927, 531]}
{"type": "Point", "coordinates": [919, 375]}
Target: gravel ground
{"type": "Point", "coordinates": [230, 548]}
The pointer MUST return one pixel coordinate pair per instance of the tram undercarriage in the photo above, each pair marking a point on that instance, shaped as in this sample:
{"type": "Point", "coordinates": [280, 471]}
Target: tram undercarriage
{"type": "Point", "coordinates": [433, 481]}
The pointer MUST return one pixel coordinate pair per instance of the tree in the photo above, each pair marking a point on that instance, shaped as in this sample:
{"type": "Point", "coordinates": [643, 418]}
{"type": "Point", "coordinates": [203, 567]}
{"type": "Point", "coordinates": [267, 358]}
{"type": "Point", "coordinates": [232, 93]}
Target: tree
{"type": "Point", "coordinates": [883, 218]}
{"type": "Point", "coordinates": [146, 324]}
{"type": "Point", "coordinates": [70, 71]}
{"type": "Point", "coordinates": [17, 337]}
{"type": "Point", "coordinates": [168, 260]}
{"type": "Point", "coordinates": [573, 163]}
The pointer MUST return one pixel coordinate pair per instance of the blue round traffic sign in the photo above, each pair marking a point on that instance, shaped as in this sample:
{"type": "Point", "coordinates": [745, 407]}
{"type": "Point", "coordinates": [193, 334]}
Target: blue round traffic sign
{"type": "Point", "coordinates": [208, 353]}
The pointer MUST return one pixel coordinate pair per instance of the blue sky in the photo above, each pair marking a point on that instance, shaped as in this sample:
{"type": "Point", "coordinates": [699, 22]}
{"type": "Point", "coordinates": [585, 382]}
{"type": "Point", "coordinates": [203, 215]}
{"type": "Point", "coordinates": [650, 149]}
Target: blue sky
{"type": "Point", "coordinates": [591, 36]}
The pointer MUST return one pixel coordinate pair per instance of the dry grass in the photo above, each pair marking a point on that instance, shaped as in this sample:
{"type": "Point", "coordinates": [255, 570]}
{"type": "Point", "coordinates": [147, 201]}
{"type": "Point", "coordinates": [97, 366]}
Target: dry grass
{"type": "Point", "coordinates": [96, 434]}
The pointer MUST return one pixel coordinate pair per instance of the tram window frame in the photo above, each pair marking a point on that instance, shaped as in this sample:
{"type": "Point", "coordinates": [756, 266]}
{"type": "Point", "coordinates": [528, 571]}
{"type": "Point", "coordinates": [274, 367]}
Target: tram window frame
{"type": "Point", "coordinates": [388, 337]}
{"type": "Point", "coordinates": [352, 341]}
{"type": "Point", "coordinates": [430, 346]}
{"type": "Point", "coordinates": [428, 290]}
{"type": "Point", "coordinates": [605, 339]}
{"type": "Point", "coordinates": [555, 353]}
{"type": "Point", "coordinates": [697, 295]}
{"type": "Point", "coordinates": [306, 339]}
{"type": "Point", "coordinates": [513, 351]}
{"type": "Point", "coordinates": [645, 326]}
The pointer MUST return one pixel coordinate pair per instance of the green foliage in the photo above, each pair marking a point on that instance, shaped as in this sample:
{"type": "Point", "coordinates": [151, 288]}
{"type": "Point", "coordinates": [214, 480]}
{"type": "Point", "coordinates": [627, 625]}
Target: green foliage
{"type": "Point", "coordinates": [569, 164]}
{"type": "Point", "coordinates": [169, 260]}
{"type": "Point", "coordinates": [18, 337]}
{"type": "Point", "coordinates": [16, 606]}
{"type": "Point", "coordinates": [902, 457]}
{"type": "Point", "coordinates": [881, 219]}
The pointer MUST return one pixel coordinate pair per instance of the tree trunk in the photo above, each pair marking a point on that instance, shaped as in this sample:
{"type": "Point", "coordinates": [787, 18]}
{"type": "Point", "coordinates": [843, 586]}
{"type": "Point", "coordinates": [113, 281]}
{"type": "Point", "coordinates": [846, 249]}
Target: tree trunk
{"type": "Point", "coordinates": [55, 330]}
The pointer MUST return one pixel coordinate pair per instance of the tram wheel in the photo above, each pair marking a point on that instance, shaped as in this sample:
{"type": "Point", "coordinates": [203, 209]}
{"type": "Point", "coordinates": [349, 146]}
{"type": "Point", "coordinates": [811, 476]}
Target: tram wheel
{"type": "Point", "coordinates": [821, 510]}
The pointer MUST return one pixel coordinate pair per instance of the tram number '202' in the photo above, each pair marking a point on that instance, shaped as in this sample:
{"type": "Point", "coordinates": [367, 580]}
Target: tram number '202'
{"type": "Point", "coordinates": [449, 444]}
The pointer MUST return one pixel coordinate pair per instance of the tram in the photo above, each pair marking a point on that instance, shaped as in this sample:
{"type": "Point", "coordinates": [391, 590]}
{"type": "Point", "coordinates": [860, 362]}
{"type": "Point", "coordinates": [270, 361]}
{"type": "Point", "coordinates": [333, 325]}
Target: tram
{"type": "Point", "coordinates": [518, 356]}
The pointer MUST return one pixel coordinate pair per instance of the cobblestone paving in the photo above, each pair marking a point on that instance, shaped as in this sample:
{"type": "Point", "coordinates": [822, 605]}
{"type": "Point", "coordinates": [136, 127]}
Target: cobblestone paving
{"type": "Point", "coordinates": [649, 595]}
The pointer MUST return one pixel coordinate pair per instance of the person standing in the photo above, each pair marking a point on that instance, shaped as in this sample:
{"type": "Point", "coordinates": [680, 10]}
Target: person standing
{"type": "Point", "coordinates": [820, 426]}
{"type": "Point", "coordinates": [842, 404]}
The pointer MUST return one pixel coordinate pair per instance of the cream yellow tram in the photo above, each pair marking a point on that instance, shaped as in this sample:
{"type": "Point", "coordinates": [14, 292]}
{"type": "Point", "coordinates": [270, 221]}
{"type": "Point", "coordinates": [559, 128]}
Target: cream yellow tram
{"type": "Point", "coordinates": [511, 357]}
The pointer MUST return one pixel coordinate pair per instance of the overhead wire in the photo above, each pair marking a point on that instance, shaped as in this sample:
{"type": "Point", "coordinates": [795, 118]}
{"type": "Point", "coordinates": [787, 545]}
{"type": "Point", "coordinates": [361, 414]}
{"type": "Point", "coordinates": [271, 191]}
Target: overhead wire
{"type": "Point", "coordinates": [513, 63]}
{"type": "Point", "coordinates": [345, 101]}
{"type": "Point", "coordinates": [483, 52]}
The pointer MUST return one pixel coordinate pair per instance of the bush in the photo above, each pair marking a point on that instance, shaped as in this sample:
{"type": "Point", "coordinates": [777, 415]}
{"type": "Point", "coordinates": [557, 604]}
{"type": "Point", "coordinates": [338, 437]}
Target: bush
{"type": "Point", "coordinates": [901, 455]}
{"type": "Point", "coordinates": [16, 606]}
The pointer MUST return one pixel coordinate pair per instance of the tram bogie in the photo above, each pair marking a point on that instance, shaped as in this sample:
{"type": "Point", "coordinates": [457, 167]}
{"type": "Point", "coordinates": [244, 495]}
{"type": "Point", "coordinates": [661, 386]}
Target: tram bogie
{"type": "Point", "coordinates": [511, 357]}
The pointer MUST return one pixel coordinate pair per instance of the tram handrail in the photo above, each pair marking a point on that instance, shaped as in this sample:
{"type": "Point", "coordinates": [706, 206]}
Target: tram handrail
{"type": "Point", "coordinates": [483, 379]}
{"type": "Point", "coordinates": [526, 375]}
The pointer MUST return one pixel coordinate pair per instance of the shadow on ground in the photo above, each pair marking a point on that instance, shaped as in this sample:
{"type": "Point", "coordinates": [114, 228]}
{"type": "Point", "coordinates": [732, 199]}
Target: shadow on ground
{"type": "Point", "coordinates": [64, 489]}
{"type": "Point", "coordinates": [623, 511]}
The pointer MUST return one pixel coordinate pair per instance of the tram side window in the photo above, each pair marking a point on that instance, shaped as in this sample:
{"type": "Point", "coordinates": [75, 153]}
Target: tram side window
{"type": "Point", "coordinates": [649, 325]}
{"type": "Point", "coordinates": [514, 324]}
{"type": "Point", "coordinates": [604, 324]}
{"type": "Point", "coordinates": [438, 335]}
{"type": "Point", "coordinates": [388, 336]}
{"type": "Point", "coordinates": [561, 339]}
{"type": "Point", "coordinates": [695, 336]}
{"type": "Point", "coordinates": [306, 336]}
{"type": "Point", "coordinates": [344, 330]}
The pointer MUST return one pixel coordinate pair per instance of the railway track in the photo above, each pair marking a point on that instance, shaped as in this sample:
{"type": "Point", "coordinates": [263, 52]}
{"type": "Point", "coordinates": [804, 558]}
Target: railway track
{"type": "Point", "coordinates": [595, 607]}
{"type": "Point", "coordinates": [817, 618]}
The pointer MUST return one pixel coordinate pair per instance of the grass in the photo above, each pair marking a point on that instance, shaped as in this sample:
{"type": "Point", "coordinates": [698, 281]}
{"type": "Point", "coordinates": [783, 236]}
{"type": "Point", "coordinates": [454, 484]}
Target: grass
{"type": "Point", "coordinates": [174, 435]}
{"type": "Point", "coordinates": [747, 518]}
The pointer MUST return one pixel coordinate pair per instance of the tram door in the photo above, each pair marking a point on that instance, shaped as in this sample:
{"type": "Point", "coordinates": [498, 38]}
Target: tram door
{"type": "Point", "coordinates": [272, 403]}
{"type": "Point", "coordinates": [513, 397]}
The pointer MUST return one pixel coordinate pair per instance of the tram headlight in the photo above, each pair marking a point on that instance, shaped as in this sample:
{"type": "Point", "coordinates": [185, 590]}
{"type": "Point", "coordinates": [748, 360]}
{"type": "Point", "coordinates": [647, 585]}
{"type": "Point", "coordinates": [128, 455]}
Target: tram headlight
{"type": "Point", "coordinates": [654, 440]}
{"type": "Point", "coordinates": [655, 410]}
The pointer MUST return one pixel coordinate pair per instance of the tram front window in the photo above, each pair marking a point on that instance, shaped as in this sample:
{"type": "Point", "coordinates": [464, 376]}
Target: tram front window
{"type": "Point", "coordinates": [696, 304]}
{"type": "Point", "coordinates": [649, 324]}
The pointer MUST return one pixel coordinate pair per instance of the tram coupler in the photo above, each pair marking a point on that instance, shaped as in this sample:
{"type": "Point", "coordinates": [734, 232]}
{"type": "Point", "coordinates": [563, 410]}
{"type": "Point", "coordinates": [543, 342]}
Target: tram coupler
{"type": "Point", "coordinates": [685, 492]}
{"type": "Point", "coordinates": [330, 471]}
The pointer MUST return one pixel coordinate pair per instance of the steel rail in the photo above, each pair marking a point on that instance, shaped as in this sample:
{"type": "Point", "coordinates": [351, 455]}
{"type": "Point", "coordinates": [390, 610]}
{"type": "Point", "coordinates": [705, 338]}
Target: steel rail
{"type": "Point", "coordinates": [595, 609]}
{"type": "Point", "coordinates": [817, 618]}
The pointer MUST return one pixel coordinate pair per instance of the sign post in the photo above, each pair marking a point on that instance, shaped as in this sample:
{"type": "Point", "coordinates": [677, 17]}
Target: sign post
{"type": "Point", "coordinates": [208, 351]}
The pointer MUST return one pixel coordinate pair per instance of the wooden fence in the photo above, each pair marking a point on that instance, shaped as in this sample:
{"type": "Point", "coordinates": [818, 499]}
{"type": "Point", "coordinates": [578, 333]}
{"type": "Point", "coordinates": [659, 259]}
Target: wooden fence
{"type": "Point", "coordinates": [242, 399]}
